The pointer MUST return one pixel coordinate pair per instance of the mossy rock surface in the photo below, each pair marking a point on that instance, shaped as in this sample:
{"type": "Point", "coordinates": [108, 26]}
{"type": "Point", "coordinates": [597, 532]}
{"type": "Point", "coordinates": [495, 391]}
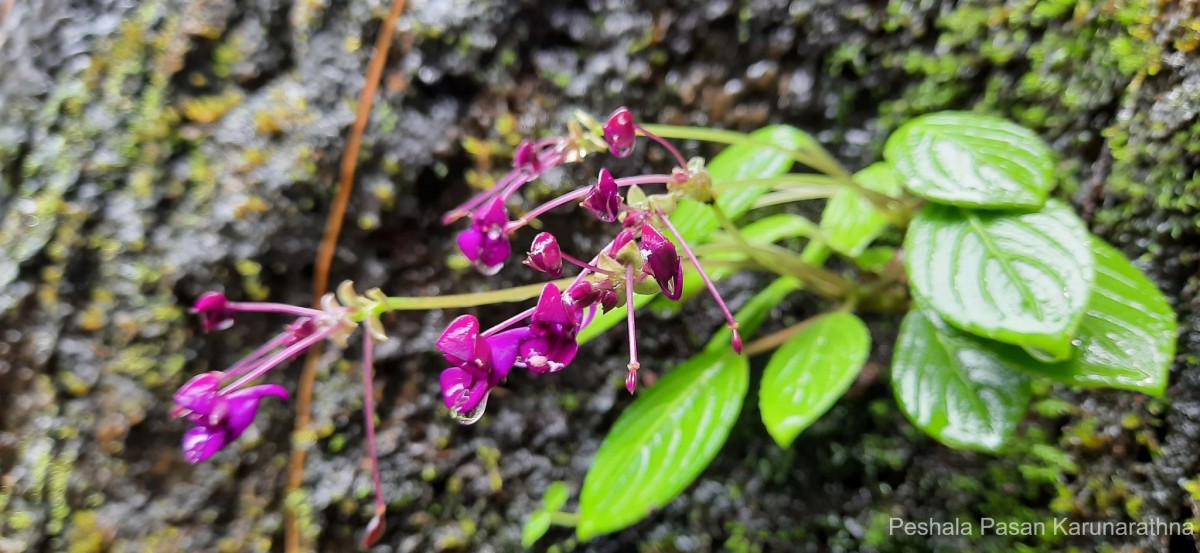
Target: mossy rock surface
{"type": "Point", "coordinates": [150, 151]}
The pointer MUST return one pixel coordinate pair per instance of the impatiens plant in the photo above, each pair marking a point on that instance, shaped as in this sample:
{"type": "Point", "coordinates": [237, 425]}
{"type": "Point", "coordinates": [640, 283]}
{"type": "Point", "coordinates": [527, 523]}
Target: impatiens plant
{"type": "Point", "coordinates": [997, 283]}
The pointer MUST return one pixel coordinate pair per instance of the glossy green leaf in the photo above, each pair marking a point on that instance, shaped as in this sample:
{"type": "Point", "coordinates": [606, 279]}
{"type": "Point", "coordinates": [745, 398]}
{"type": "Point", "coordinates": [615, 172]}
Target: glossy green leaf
{"type": "Point", "coordinates": [769, 156]}
{"type": "Point", "coordinates": [556, 496]}
{"type": "Point", "coordinates": [662, 442]}
{"type": "Point", "coordinates": [1127, 337]}
{"type": "Point", "coordinates": [972, 160]}
{"type": "Point", "coordinates": [1020, 278]}
{"type": "Point", "coordinates": [850, 221]}
{"type": "Point", "coordinates": [809, 372]}
{"type": "Point", "coordinates": [960, 390]}
{"type": "Point", "coordinates": [535, 527]}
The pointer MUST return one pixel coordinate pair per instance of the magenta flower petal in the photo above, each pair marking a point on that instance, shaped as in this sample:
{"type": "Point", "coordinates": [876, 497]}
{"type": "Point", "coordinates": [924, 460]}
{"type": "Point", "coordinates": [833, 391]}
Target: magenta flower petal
{"type": "Point", "coordinates": [549, 353]}
{"type": "Point", "coordinates": [551, 309]}
{"type": "Point", "coordinates": [505, 347]}
{"type": "Point", "coordinates": [526, 158]}
{"type": "Point", "coordinates": [603, 200]}
{"type": "Point", "coordinates": [461, 391]}
{"type": "Point", "coordinates": [200, 393]}
{"type": "Point", "coordinates": [242, 406]}
{"type": "Point", "coordinates": [200, 443]}
{"type": "Point", "coordinates": [458, 343]}
{"type": "Point", "coordinates": [215, 313]}
{"type": "Point", "coordinates": [620, 132]}
{"type": "Point", "coordinates": [484, 242]}
{"type": "Point", "coordinates": [662, 262]}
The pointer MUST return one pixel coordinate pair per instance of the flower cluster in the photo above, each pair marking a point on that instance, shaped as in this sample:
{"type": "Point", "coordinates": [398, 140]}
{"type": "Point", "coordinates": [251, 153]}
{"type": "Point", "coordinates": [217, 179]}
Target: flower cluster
{"type": "Point", "coordinates": [221, 405]}
{"type": "Point", "coordinates": [640, 258]}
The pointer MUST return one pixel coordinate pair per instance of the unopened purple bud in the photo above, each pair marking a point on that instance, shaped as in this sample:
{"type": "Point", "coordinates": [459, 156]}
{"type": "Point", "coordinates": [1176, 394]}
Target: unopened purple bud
{"type": "Point", "coordinates": [545, 256]}
{"type": "Point", "coordinates": [526, 158]}
{"type": "Point", "coordinates": [736, 340]}
{"type": "Point", "coordinates": [620, 132]}
{"type": "Point", "coordinates": [662, 262]}
{"type": "Point", "coordinates": [603, 199]}
{"type": "Point", "coordinates": [583, 294]}
{"type": "Point", "coordinates": [631, 379]}
{"type": "Point", "coordinates": [214, 311]}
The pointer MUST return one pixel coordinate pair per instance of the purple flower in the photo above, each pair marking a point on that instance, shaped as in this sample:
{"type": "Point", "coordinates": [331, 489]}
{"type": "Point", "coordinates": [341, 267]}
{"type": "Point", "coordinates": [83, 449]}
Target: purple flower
{"type": "Point", "coordinates": [214, 311]}
{"type": "Point", "coordinates": [620, 132]}
{"type": "Point", "coordinates": [219, 417]}
{"type": "Point", "coordinates": [526, 158]}
{"type": "Point", "coordinates": [484, 242]}
{"type": "Point", "coordinates": [480, 364]}
{"type": "Point", "coordinates": [603, 200]}
{"type": "Point", "coordinates": [545, 255]}
{"type": "Point", "coordinates": [551, 345]}
{"type": "Point", "coordinates": [662, 262]}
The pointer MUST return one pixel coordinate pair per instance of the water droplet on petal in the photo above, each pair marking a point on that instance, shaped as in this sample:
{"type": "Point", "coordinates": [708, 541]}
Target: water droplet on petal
{"type": "Point", "coordinates": [472, 416]}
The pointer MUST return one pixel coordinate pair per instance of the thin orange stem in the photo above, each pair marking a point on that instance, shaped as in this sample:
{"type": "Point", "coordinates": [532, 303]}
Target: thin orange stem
{"type": "Point", "coordinates": [333, 229]}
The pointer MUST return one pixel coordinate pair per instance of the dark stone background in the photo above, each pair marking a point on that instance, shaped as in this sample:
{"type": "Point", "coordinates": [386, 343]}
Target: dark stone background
{"type": "Point", "coordinates": [152, 150]}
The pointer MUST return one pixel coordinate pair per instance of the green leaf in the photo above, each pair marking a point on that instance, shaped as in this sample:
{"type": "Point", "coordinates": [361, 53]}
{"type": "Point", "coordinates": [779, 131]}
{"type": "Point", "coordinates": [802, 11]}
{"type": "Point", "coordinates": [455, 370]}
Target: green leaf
{"type": "Point", "coordinates": [850, 221]}
{"type": "Point", "coordinates": [556, 496]}
{"type": "Point", "coordinates": [959, 390]}
{"type": "Point", "coordinates": [662, 442]}
{"type": "Point", "coordinates": [875, 258]}
{"type": "Point", "coordinates": [972, 160]}
{"type": "Point", "coordinates": [769, 157]}
{"type": "Point", "coordinates": [1127, 337]}
{"type": "Point", "coordinates": [1020, 278]}
{"type": "Point", "coordinates": [809, 372]}
{"type": "Point", "coordinates": [534, 528]}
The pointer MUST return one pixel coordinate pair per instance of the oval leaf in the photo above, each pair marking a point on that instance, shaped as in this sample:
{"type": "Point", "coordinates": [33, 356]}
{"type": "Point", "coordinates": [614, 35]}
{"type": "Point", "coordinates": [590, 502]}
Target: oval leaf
{"type": "Point", "coordinates": [535, 527]}
{"type": "Point", "coordinates": [850, 221]}
{"type": "Point", "coordinates": [972, 160]}
{"type": "Point", "coordinates": [1020, 278]}
{"type": "Point", "coordinates": [662, 442]}
{"type": "Point", "coordinates": [1127, 337]}
{"type": "Point", "coordinates": [959, 390]}
{"type": "Point", "coordinates": [810, 372]}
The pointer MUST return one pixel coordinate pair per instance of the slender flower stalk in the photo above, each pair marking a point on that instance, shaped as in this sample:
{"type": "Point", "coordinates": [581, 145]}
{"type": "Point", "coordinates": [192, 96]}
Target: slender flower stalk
{"type": "Point", "coordinates": [634, 365]}
{"type": "Point", "coordinates": [729, 319]}
{"type": "Point", "coordinates": [377, 525]}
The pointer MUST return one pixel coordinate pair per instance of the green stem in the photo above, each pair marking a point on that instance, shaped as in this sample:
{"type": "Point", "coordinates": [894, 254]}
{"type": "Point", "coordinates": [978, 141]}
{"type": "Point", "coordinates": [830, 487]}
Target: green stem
{"type": "Point", "coordinates": [564, 519]}
{"type": "Point", "coordinates": [519, 293]}
{"type": "Point", "coordinates": [784, 261]}
{"type": "Point", "coordinates": [788, 181]}
{"type": "Point", "coordinates": [810, 154]}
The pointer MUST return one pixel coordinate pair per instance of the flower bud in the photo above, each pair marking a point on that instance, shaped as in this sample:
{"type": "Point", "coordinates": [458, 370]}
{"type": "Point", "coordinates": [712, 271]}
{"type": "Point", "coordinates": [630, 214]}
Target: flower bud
{"type": "Point", "coordinates": [214, 311]}
{"type": "Point", "coordinates": [545, 256]}
{"type": "Point", "coordinates": [620, 132]}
